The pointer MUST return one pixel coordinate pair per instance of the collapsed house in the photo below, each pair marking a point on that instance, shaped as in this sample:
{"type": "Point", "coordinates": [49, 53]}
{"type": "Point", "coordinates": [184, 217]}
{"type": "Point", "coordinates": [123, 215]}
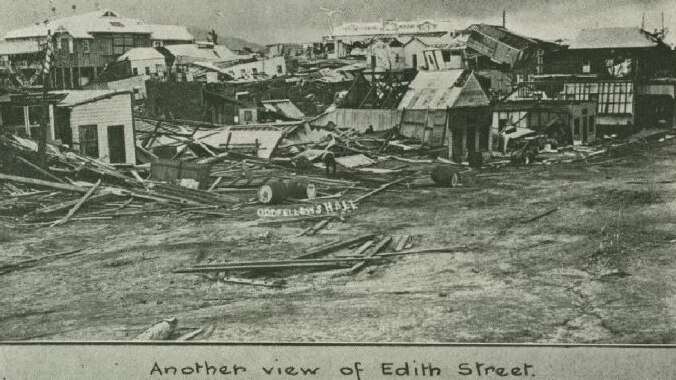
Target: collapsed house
{"type": "Point", "coordinates": [447, 108]}
{"type": "Point", "coordinates": [625, 70]}
{"type": "Point", "coordinates": [503, 58]}
{"type": "Point", "coordinates": [568, 122]}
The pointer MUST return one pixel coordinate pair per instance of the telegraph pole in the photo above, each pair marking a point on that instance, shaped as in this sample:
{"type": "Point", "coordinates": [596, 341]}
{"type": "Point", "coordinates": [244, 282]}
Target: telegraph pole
{"type": "Point", "coordinates": [46, 70]}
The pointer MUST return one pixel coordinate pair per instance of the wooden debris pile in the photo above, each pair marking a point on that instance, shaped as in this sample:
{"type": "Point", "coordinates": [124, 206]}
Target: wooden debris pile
{"type": "Point", "coordinates": [347, 256]}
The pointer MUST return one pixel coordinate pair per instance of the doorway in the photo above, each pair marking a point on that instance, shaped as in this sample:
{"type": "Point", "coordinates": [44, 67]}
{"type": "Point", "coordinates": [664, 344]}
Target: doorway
{"type": "Point", "coordinates": [116, 145]}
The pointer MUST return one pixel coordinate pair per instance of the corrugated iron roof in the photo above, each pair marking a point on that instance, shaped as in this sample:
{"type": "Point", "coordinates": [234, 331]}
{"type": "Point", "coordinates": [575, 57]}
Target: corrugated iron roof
{"type": "Point", "coordinates": [444, 42]}
{"type": "Point", "coordinates": [504, 35]}
{"type": "Point", "coordinates": [437, 90]}
{"type": "Point", "coordinates": [190, 53]}
{"type": "Point", "coordinates": [284, 107]}
{"type": "Point", "coordinates": [136, 54]}
{"type": "Point", "coordinates": [267, 136]}
{"type": "Point", "coordinates": [19, 47]}
{"type": "Point", "coordinates": [610, 38]}
{"type": "Point", "coordinates": [170, 32]}
{"type": "Point", "coordinates": [77, 97]}
{"type": "Point", "coordinates": [82, 25]}
{"type": "Point", "coordinates": [354, 161]}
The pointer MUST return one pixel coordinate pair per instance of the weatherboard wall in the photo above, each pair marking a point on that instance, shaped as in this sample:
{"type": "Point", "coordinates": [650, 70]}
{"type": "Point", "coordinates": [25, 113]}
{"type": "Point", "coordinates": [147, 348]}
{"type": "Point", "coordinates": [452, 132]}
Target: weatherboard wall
{"type": "Point", "coordinates": [112, 111]}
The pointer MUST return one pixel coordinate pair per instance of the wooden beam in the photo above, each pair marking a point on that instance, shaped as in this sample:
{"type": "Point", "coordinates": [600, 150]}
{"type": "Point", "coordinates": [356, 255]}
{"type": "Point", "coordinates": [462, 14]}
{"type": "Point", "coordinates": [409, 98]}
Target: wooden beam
{"type": "Point", "coordinates": [374, 251]}
{"type": "Point", "coordinates": [41, 183]}
{"type": "Point", "coordinates": [402, 243]}
{"type": "Point", "coordinates": [381, 188]}
{"type": "Point", "coordinates": [264, 267]}
{"type": "Point", "coordinates": [40, 170]}
{"type": "Point", "coordinates": [77, 205]}
{"type": "Point", "coordinates": [333, 246]}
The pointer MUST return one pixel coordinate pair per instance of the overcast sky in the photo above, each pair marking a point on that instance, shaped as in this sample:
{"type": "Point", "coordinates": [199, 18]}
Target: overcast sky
{"type": "Point", "coordinates": [266, 21]}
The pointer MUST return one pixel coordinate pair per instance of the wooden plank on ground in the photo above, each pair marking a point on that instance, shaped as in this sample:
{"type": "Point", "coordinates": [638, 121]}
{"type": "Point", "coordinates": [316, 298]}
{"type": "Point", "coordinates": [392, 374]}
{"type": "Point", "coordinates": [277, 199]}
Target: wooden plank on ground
{"type": "Point", "coordinates": [402, 243]}
{"type": "Point", "coordinates": [374, 251]}
{"type": "Point", "coordinates": [333, 246]}
{"type": "Point", "coordinates": [77, 205]}
{"type": "Point", "coordinates": [381, 188]}
{"type": "Point", "coordinates": [538, 216]}
{"type": "Point", "coordinates": [216, 182]}
{"type": "Point", "coordinates": [247, 281]}
{"type": "Point", "coordinates": [190, 335]}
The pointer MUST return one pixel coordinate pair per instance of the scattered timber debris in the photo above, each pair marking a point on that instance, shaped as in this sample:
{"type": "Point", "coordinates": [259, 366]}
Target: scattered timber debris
{"type": "Point", "coordinates": [162, 330]}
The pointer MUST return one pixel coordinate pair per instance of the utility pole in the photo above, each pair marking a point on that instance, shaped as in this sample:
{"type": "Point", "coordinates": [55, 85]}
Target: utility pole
{"type": "Point", "coordinates": [46, 70]}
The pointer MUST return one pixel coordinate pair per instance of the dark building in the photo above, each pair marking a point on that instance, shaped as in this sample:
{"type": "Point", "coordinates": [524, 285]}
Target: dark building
{"type": "Point", "coordinates": [623, 70]}
{"type": "Point", "coordinates": [628, 52]}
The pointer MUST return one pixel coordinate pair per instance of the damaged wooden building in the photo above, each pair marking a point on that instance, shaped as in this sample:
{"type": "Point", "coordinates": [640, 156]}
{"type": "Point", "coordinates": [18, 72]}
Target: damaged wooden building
{"type": "Point", "coordinates": [95, 123]}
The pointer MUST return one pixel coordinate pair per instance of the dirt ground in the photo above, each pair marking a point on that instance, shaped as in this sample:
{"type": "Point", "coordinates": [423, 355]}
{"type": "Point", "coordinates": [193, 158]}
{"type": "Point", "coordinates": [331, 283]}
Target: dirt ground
{"type": "Point", "coordinates": [600, 269]}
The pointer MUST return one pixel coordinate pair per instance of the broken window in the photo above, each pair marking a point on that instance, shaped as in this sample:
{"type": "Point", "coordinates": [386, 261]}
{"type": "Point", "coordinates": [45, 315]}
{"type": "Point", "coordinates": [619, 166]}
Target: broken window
{"type": "Point", "coordinates": [279, 69]}
{"type": "Point", "coordinates": [135, 71]}
{"type": "Point", "coordinates": [89, 141]}
{"type": "Point", "coordinates": [147, 70]}
{"type": "Point", "coordinates": [85, 46]}
{"type": "Point", "coordinates": [248, 116]}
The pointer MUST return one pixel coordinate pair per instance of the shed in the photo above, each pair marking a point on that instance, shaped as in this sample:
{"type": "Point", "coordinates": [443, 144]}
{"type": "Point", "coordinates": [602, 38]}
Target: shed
{"type": "Point", "coordinates": [99, 124]}
{"type": "Point", "coordinates": [447, 108]}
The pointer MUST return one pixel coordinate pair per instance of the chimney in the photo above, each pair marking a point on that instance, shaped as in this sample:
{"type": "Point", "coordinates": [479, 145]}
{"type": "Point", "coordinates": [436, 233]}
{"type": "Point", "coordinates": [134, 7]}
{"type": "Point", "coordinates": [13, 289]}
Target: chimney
{"type": "Point", "coordinates": [504, 18]}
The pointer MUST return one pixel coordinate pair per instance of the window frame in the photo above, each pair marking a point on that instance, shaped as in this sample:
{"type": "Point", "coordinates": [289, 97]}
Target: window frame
{"type": "Point", "coordinates": [121, 45]}
{"type": "Point", "coordinates": [88, 142]}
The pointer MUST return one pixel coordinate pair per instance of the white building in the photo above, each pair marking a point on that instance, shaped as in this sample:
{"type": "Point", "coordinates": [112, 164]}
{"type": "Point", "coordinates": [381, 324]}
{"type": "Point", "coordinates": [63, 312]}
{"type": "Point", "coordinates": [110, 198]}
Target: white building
{"type": "Point", "coordinates": [145, 61]}
{"type": "Point", "coordinates": [436, 53]}
{"type": "Point", "coordinates": [385, 54]}
{"type": "Point", "coordinates": [98, 124]}
{"type": "Point", "coordinates": [241, 70]}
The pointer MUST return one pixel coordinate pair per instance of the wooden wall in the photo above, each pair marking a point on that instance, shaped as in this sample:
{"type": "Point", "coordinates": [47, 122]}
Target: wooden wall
{"type": "Point", "coordinates": [115, 110]}
{"type": "Point", "coordinates": [100, 50]}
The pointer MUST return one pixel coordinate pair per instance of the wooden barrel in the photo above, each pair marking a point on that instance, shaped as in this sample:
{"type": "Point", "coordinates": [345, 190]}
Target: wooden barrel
{"type": "Point", "coordinates": [272, 193]}
{"type": "Point", "coordinates": [445, 176]}
{"type": "Point", "coordinates": [295, 188]}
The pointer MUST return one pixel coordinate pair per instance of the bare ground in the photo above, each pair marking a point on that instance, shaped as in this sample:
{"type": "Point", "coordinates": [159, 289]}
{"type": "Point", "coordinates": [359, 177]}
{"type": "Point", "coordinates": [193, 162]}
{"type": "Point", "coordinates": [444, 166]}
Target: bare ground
{"type": "Point", "coordinates": [601, 269]}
